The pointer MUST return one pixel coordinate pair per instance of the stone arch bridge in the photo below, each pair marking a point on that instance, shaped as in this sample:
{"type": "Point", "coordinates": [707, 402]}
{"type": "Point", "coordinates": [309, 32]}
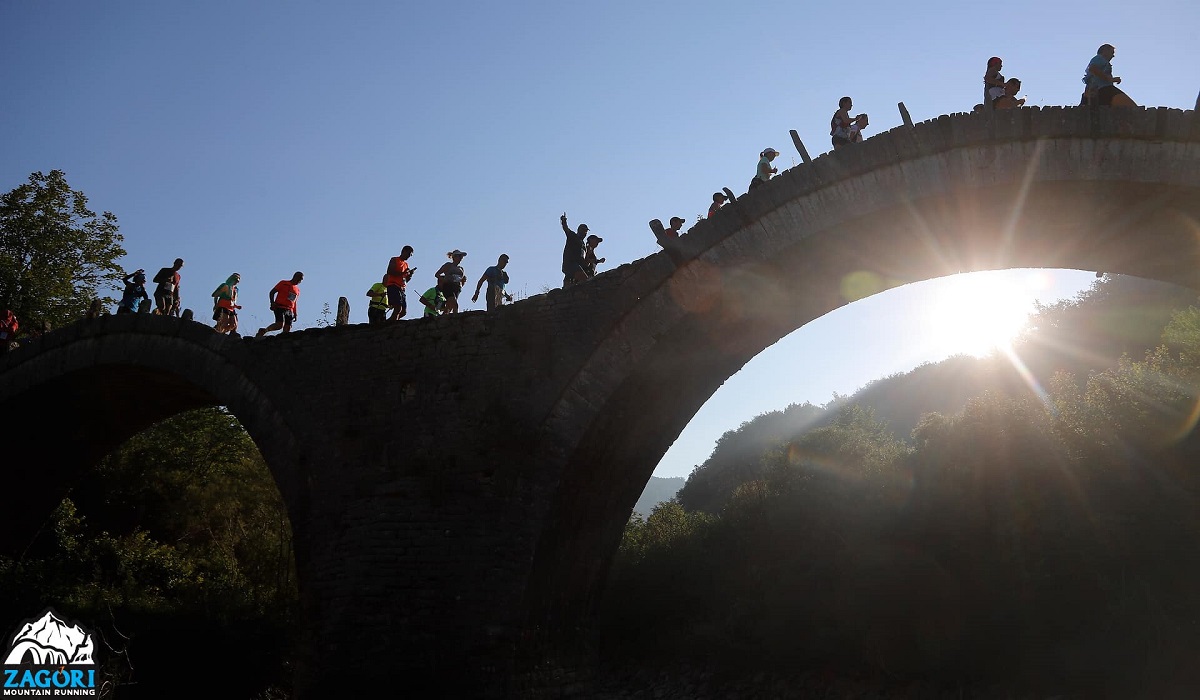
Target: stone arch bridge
{"type": "Point", "coordinates": [457, 486]}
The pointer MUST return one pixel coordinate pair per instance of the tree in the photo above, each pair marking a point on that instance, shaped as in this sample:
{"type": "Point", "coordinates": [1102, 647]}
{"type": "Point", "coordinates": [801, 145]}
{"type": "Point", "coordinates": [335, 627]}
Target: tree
{"type": "Point", "coordinates": [55, 253]}
{"type": "Point", "coordinates": [180, 539]}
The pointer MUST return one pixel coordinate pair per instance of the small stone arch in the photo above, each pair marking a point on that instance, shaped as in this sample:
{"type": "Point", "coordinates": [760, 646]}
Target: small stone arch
{"type": "Point", "coordinates": [72, 396]}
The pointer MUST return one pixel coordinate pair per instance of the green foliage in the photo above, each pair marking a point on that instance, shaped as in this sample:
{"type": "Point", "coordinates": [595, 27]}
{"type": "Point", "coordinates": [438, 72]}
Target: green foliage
{"type": "Point", "coordinates": [56, 255]}
{"type": "Point", "coordinates": [180, 541]}
{"type": "Point", "coordinates": [1117, 316]}
{"type": "Point", "coordinates": [1047, 539]}
{"type": "Point", "coordinates": [1182, 336]}
{"type": "Point", "coordinates": [1066, 341]}
{"type": "Point", "coordinates": [855, 446]}
{"type": "Point", "coordinates": [198, 482]}
{"type": "Point", "coordinates": [735, 459]}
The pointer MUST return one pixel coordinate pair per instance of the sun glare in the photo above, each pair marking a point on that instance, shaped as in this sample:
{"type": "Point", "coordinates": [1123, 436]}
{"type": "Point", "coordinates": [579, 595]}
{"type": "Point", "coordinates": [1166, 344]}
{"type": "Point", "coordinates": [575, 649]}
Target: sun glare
{"type": "Point", "coordinates": [981, 312]}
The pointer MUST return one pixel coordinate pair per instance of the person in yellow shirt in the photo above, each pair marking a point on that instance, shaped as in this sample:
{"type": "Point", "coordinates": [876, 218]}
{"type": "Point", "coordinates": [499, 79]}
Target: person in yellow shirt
{"type": "Point", "coordinates": [378, 308]}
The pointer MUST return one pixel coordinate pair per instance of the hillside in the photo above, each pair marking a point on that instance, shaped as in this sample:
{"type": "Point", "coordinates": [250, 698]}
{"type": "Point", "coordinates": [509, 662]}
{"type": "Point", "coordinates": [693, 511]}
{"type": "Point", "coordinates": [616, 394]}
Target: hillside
{"type": "Point", "coordinates": [657, 490]}
{"type": "Point", "coordinates": [1117, 316]}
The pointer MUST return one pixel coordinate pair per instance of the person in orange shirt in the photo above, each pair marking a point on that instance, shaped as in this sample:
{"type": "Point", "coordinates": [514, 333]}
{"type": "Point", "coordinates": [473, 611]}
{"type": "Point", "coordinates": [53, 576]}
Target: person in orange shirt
{"type": "Point", "coordinates": [283, 298]}
{"type": "Point", "coordinates": [398, 275]}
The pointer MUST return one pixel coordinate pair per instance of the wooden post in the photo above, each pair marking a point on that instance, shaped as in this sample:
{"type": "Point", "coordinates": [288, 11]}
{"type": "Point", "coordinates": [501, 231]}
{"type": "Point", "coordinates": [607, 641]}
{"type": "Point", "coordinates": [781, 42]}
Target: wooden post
{"type": "Point", "coordinates": [659, 231]}
{"type": "Point", "coordinates": [800, 146]}
{"type": "Point", "coordinates": [343, 312]}
{"type": "Point", "coordinates": [904, 114]}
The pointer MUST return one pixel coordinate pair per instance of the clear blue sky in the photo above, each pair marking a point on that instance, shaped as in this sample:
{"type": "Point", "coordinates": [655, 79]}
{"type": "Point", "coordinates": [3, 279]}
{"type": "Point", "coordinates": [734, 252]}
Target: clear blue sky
{"type": "Point", "coordinates": [270, 137]}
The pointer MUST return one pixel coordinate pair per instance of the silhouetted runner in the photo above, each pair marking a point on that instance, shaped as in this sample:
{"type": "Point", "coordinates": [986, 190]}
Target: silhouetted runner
{"type": "Point", "coordinates": [497, 280]}
{"type": "Point", "coordinates": [166, 294]}
{"type": "Point", "coordinates": [574, 253]}
{"type": "Point", "coordinates": [764, 170]}
{"type": "Point", "coordinates": [396, 281]}
{"type": "Point", "coordinates": [283, 297]}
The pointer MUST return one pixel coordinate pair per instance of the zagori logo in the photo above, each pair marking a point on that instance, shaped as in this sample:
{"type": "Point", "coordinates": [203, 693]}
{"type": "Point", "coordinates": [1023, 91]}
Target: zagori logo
{"type": "Point", "coordinates": [50, 658]}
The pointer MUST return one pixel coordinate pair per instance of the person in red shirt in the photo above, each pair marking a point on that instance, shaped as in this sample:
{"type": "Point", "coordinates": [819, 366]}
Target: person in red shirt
{"type": "Point", "coordinates": [283, 298]}
{"type": "Point", "coordinates": [8, 330]}
{"type": "Point", "coordinates": [672, 234]}
{"type": "Point", "coordinates": [166, 294]}
{"type": "Point", "coordinates": [398, 275]}
{"type": "Point", "coordinates": [718, 202]}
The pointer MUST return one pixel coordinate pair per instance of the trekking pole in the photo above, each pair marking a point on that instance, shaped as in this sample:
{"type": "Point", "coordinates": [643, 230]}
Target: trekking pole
{"type": "Point", "coordinates": [800, 147]}
{"type": "Point", "coordinates": [904, 115]}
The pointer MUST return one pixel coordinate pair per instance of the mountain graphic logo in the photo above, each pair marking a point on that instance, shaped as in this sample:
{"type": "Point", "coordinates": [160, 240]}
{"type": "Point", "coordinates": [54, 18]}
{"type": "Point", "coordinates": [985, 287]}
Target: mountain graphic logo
{"type": "Point", "coordinates": [50, 641]}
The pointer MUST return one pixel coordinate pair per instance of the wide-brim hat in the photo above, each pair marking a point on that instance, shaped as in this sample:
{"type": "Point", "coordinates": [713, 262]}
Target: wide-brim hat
{"type": "Point", "coordinates": [455, 252]}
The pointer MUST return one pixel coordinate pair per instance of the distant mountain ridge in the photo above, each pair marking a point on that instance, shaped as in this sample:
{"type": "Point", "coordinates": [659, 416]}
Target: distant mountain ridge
{"type": "Point", "coordinates": [658, 489]}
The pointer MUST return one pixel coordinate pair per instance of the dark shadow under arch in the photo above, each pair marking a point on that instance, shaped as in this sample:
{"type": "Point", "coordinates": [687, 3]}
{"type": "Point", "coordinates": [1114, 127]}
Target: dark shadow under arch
{"type": "Point", "coordinates": [75, 395]}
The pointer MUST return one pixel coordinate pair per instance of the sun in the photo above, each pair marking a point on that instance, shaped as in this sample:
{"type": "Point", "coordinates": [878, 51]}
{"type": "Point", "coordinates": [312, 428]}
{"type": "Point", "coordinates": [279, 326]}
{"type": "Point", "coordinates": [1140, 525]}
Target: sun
{"type": "Point", "coordinates": [979, 313]}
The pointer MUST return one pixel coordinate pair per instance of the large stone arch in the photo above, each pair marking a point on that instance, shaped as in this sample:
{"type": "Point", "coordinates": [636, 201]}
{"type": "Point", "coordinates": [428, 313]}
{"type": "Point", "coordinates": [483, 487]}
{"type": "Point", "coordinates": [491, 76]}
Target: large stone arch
{"type": "Point", "coordinates": [1106, 190]}
{"type": "Point", "coordinates": [77, 393]}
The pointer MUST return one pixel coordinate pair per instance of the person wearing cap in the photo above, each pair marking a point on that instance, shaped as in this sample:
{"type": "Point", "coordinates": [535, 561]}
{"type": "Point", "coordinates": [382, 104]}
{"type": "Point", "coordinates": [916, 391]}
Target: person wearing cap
{"type": "Point", "coordinates": [283, 297]}
{"type": "Point", "coordinates": [496, 279]}
{"type": "Point", "coordinates": [672, 233]}
{"type": "Point", "coordinates": [719, 199]}
{"type": "Point", "coordinates": [451, 278]}
{"type": "Point", "coordinates": [135, 288]}
{"type": "Point", "coordinates": [993, 82]}
{"type": "Point", "coordinates": [589, 255]}
{"type": "Point", "coordinates": [765, 171]}
{"type": "Point", "coordinates": [574, 253]}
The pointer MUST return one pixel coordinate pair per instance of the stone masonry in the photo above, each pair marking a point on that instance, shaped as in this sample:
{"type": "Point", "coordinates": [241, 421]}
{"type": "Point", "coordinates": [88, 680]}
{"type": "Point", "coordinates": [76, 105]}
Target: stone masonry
{"type": "Point", "coordinates": [457, 486]}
